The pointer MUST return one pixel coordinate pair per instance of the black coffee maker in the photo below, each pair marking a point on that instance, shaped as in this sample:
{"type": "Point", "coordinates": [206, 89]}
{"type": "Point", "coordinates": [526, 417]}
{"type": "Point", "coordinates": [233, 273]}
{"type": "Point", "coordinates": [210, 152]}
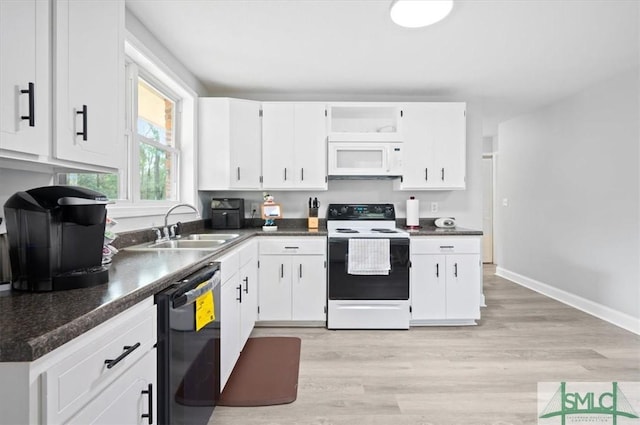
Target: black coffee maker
{"type": "Point", "coordinates": [56, 234]}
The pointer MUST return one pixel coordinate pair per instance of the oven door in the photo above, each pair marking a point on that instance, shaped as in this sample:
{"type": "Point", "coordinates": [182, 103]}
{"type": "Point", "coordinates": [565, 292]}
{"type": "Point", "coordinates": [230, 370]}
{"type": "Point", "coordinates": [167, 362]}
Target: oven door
{"type": "Point", "coordinates": [345, 286]}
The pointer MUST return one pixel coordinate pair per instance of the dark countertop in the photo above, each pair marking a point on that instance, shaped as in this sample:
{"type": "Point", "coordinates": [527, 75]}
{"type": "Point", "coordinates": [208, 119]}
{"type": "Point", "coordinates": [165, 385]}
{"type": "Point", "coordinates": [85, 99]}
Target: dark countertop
{"type": "Point", "coordinates": [437, 231]}
{"type": "Point", "coordinates": [34, 324]}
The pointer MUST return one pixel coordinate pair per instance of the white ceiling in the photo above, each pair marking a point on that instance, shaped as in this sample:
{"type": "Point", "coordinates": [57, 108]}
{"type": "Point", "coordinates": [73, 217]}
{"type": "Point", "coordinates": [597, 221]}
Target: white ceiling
{"type": "Point", "coordinates": [512, 55]}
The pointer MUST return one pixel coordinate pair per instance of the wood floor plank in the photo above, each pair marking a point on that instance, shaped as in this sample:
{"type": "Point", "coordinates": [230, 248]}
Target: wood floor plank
{"type": "Point", "coordinates": [480, 375]}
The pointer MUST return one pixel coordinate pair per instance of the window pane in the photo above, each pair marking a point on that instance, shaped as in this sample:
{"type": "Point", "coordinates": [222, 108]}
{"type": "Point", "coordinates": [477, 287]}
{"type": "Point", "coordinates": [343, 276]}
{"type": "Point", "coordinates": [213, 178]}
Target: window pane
{"type": "Point", "coordinates": [155, 115]}
{"type": "Point", "coordinates": [107, 184]}
{"type": "Point", "coordinates": [155, 173]}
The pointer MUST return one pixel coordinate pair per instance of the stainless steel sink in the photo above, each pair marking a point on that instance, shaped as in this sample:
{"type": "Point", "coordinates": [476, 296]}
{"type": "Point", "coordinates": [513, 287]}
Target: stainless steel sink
{"type": "Point", "coordinates": [212, 236]}
{"type": "Point", "coordinates": [195, 242]}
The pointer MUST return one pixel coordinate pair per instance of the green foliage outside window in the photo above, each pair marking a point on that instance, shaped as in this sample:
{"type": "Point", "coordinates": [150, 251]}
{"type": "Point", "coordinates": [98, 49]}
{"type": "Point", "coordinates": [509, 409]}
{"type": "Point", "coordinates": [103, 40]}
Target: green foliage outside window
{"type": "Point", "coordinates": [107, 184]}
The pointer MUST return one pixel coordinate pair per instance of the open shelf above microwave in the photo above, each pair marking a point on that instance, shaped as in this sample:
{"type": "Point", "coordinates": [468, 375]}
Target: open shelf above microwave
{"type": "Point", "coordinates": [370, 122]}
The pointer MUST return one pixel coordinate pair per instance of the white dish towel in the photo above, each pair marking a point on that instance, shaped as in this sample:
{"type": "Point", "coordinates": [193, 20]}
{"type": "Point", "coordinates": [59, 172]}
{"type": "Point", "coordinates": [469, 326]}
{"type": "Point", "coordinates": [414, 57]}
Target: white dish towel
{"type": "Point", "coordinates": [369, 256]}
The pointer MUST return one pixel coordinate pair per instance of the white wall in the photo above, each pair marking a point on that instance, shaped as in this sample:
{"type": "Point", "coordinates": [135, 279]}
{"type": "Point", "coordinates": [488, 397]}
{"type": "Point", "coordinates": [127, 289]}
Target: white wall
{"type": "Point", "coordinates": [12, 181]}
{"type": "Point", "coordinates": [465, 205]}
{"type": "Point", "coordinates": [570, 174]}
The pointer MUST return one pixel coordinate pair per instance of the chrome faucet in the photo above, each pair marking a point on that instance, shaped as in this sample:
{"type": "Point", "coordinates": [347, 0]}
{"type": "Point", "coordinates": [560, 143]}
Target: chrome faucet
{"type": "Point", "coordinates": [165, 229]}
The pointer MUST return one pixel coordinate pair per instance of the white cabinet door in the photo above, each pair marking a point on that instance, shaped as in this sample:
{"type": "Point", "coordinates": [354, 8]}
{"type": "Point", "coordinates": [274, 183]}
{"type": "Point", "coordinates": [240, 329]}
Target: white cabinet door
{"type": "Point", "coordinates": [310, 147]}
{"type": "Point", "coordinates": [249, 305]}
{"type": "Point", "coordinates": [434, 145]}
{"type": "Point", "coordinates": [24, 76]}
{"type": "Point", "coordinates": [428, 287]}
{"type": "Point", "coordinates": [275, 287]}
{"type": "Point", "coordinates": [229, 327]}
{"type": "Point", "coordinates": [278, 139]}
{"type": "Point", "coordinates": [463, 289]}
{"type": "Point", "coordinates": [418, 162]}
{"type": "Point", "coordinates": [309, 287]}
{"type": "Point", "coordinates": [294, 146]}
{"type": "Point", "coordinates": [450, 144]}
{"type": "Point", "coordinates": [229, 144]}
{"type": "Point", "coordinates": [245, 146]}
{"type": "Point", "coordinates": [129, 400]}
{"type": "Point", "coordinates": [89, 82]}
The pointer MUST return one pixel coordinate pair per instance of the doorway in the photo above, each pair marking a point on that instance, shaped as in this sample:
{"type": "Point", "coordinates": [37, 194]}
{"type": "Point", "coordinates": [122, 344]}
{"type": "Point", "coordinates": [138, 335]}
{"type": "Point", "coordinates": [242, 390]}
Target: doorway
{"type": "Point", "coordinates": [487, 208]}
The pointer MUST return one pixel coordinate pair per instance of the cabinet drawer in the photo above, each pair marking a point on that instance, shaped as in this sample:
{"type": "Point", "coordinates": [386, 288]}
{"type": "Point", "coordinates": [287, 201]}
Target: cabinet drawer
{"type": "Point", "coordinates": [247, 252]}
{"type": "Point", "coordinates": [229, 265]}
{"type": "Point", "coordinates": [84, 371]}
{"type": "Point", "coordinates": [295, 246]}
{"type": "Point", "coordinates": [448, 245]}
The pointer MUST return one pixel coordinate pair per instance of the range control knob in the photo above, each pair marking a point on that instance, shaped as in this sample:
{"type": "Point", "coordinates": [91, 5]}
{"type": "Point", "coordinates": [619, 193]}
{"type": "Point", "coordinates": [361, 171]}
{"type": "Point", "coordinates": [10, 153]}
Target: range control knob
{"type": "Point", "coordinates": [388, 212]}
{"type": "Point", "coordinates": [343, 210]}
{"type": "Point", "coordinates": [333, 212]}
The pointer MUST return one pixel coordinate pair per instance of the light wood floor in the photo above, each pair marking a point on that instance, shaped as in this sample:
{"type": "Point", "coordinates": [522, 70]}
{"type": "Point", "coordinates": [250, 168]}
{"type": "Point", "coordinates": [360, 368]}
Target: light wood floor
{"type": "Point", "coordinates": [486, 374]}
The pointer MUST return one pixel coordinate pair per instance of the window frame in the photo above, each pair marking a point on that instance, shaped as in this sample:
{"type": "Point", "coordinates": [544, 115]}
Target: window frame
{"type": "Point", "coordinates": [156, 72]}
{"type": "Point", "coordinates": [134, 72]}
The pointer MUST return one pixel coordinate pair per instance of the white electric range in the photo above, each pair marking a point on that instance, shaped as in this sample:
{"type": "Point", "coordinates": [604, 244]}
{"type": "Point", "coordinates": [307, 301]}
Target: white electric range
{"type": "Point", "coordinates": [367, 299]}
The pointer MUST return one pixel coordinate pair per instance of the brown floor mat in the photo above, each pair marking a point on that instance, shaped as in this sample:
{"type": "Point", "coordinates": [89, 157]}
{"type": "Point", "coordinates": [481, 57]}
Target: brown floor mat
{"type": "Point", "coordinates": [266, 373]}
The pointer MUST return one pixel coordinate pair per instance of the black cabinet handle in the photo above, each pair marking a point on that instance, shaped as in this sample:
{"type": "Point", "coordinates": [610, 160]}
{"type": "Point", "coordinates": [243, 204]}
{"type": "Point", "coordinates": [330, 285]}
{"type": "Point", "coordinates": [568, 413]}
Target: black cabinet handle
{"type": "Point", "coordinates": [285, 174]}
{"type": "Point", "coordinates": [246, 284]}
{"type": "Point", "coordinates": [85, 115]}
{"type": "Point", "coordinates": [281, 270]}
{"type": "Point", "coordinates": [455, 269]}
{"type": "Point", "coordinates": [291, 247]}
{"type": "Point", "coordinates": [238, 173]}
{"type": "Point", "coordinates": [437, 270]}
{"type": "Point", "coordinates": [149, 392]}
{"type": "Point", "coordinates": [239, 288]}
{"type": "Point", "coordinates": [300, 271]}
{"type": "Point", "coordinates": [426, 174]}
{"type": "Point", "coordinates": [32, 105]}
{"type": "Point", "coordinates": [443, 174]}
{"type": "Point", "coordinates": [128, 350]}
{"type": "Point", "coordinates": [302, 174]}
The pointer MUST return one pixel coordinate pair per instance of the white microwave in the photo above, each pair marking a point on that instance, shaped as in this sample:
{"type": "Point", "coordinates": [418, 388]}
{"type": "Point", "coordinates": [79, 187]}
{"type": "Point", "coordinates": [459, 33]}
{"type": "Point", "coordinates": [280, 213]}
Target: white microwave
{"type": "Point", "coordinates": [365, 159]}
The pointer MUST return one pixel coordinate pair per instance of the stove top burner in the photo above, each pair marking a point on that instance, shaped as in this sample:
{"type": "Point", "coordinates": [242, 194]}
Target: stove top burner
{"type": "Point", "coordinates": [384, 230]}
{"type": "Point", "coordinates": [343, 230]}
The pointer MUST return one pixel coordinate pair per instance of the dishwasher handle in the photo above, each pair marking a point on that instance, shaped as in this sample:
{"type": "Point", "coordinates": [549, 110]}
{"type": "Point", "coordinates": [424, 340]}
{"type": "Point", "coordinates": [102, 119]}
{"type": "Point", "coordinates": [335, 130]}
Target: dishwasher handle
{"type": "Point", "coordinates": [211, 277]}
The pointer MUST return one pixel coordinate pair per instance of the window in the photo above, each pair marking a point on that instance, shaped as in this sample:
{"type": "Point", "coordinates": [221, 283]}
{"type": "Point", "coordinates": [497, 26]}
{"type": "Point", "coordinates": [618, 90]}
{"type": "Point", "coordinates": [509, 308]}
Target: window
{"type": "Point", "coordinates": [156, 147]}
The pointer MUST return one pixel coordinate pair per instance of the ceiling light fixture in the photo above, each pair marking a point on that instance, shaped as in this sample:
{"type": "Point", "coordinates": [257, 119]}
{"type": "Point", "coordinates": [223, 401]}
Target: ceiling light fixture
{"type": "Point", "coordinates": [419, 13]}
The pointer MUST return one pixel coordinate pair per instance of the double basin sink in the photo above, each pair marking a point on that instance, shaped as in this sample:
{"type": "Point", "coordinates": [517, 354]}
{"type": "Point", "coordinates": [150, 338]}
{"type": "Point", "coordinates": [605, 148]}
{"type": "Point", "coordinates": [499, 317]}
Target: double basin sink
{"type": "Point", "coordinates": [200, 242]}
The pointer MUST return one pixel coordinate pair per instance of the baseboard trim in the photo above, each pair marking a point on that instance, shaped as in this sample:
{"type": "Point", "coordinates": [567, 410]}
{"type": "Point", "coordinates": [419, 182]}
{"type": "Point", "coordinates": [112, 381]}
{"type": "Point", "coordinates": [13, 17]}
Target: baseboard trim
{"type": "Point", "coordinates": [600, 311]}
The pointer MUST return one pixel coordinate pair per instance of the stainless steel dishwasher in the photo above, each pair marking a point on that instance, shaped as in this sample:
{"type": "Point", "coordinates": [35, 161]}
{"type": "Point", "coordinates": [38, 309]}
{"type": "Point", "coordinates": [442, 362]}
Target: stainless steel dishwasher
{"type": "Point", "coordinates": [188, 357]}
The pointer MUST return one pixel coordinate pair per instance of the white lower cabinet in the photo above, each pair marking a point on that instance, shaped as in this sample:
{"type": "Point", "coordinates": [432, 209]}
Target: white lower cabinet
{"type": "Point", "coordinates": [229, 327]}
{"type": "Point", "coordinates": [239, 304]}
{"type": "Point", "coordinates": [293, 279]}
{"type": "Point", "coordinates": [105, 376]}
{"type": "Point", "coordinates": [446, 280]}
{"type": "Point", "coordinates": [129, 400]}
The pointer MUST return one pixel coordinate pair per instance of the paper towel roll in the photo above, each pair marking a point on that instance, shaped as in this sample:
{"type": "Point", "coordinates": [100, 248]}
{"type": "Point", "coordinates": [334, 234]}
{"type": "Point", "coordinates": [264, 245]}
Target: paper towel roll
{"type": "Point", "coordinates": [413, 212]}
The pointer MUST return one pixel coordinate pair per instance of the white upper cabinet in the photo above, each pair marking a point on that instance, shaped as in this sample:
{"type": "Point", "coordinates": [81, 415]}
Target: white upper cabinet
{"type": "Point", "coordinates": [294, 148]}
{"type": "Point", "coordinates": [89, 82]}
{"type": "Point", "coordinates": [434, 137]}
{"type": "Point", "coordinates": [365, 122]}
{"type": "Point", "coordinates": [24, 76]}
{"type": "Point", "coordinates": [229, 145]}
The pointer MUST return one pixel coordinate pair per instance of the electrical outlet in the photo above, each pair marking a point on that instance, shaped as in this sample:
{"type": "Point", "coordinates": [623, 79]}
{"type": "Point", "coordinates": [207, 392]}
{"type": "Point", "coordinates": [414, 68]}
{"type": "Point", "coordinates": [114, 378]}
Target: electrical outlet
{"type": "Point", "coordinates": [255, 208]}
{"type": "Point", "coordinates": [434, 207]}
